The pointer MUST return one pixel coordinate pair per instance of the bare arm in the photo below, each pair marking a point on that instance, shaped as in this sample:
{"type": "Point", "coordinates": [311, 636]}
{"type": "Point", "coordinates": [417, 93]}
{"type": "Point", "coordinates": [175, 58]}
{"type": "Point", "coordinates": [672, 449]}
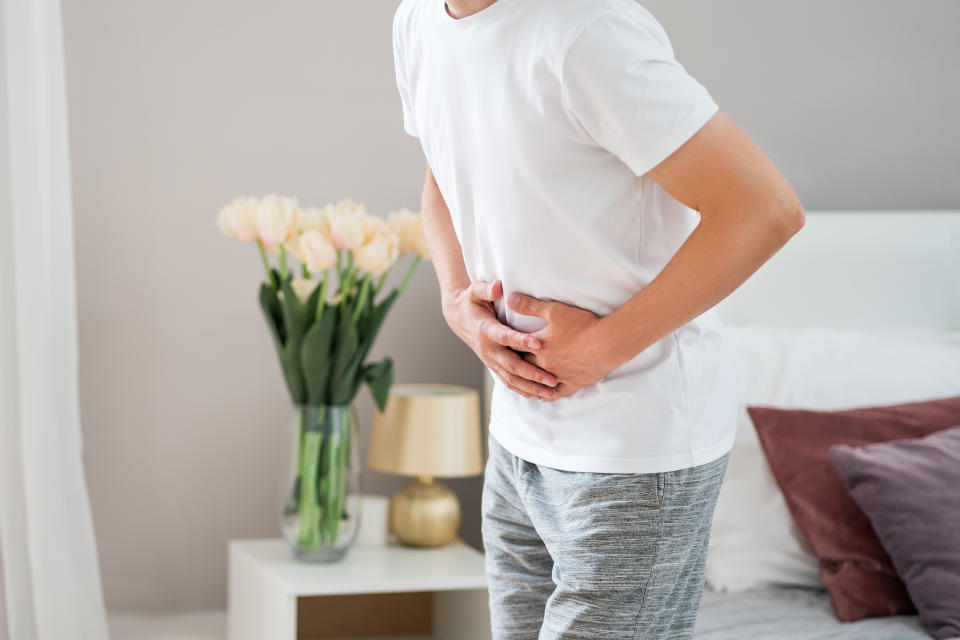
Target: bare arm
{"type": "Point", "coordinates": [748, 212]}
{"type": "Point", "coordinates": [442, 240]}
{"type": "Point", "coordinates": [468, 307]}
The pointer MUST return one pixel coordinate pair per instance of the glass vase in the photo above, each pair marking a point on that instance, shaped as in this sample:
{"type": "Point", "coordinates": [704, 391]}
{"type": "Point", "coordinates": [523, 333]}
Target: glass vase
{"type": "Point", "coordinates": [320, 517]}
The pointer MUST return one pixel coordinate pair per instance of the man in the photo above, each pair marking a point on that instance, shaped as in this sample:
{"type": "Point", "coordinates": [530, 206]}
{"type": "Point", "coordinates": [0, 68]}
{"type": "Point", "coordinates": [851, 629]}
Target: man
{"type": "Point", "coordinates": [586, 204]}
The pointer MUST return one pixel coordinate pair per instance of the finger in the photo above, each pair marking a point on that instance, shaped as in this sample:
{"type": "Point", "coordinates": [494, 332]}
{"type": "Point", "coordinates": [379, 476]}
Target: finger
{"type": "Point", "coordinates": [535, 360]}
{"type": "Point", "coordinates": [521, 367]}
{"type": "Point", "coordinates": [563, 390]}
{"type": "Point", "coordinates": [504, 376]}
{"type": "Point", "coordinates": [528, 305]}
{"type": "Point", "coordinates": [504, 335]}
{"type": "Point", "coordinates": [528, 386]}
{"type": "Point", "coordinates": [486, 291]}
{"type": "Point", "coordinates": [514, 383]}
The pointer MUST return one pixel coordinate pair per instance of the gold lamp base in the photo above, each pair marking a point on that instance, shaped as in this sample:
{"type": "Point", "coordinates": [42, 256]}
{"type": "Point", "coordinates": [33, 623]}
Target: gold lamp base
{"type": "Point", "coordinates": [425, 513]}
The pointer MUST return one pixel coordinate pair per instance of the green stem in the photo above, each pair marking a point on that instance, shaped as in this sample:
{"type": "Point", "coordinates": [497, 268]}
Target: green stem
{"type": "Point", "coordinates": [304, 271]}
{"type": "Point", "coordinates": [331, 517]}
{"type": "Point", "coordinates": [266, 264]}
{"type": "Point", "coordinates": [344, 272]}
{"type": "Point", "coordinates": [346, 286]}
{"type": "Point", "coordinates": [362, 298]}
{"type": "Point", "coordinates": [322, 299]}
{"type": "Point", "coordinates": [293, 504]}
{"type": "Point", "coordinates": [382, 281]}
{"type": "Point", "coordinates": [307, 538]}
{"type": "Point", "coordinates": [300, 450]}
{"type": "Point", "coordinates": [322, 483]}
{"type": "Point", "coordinates": [283, 263]}
{"type": "Point", "coordinates": [341, 472]}
{"type": "Point", "coordinates": [413, 266]}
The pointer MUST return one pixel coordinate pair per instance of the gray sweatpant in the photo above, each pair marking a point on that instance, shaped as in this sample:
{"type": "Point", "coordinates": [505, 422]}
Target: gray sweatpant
{"type": "Point", "coordinates": [595, 556]}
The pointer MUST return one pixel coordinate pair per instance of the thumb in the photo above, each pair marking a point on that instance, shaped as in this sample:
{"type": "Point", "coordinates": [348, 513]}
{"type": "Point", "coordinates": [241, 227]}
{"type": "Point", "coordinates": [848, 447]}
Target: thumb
{"type": "Point", "coordinates": [486, 292]}
{"type": "Point", "coordinates": [528, 305]}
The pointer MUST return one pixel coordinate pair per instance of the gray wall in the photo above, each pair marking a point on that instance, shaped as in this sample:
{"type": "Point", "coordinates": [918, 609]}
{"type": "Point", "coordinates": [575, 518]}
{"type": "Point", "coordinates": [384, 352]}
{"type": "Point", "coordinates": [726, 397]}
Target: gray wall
{"type": "Point", "coordinates": [177, 106]}
{"type": "Point", "coordinates": [856, 101]}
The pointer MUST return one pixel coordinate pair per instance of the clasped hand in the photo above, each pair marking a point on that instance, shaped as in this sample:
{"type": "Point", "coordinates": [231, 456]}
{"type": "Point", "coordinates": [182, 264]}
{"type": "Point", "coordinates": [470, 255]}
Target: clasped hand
{"type": "Point", "coordinates": [569, 353]}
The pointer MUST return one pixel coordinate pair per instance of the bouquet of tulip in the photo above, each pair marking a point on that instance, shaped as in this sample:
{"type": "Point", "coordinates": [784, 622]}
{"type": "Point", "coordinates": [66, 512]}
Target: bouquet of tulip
{"type": "Point", "coordinates": [323, 331]}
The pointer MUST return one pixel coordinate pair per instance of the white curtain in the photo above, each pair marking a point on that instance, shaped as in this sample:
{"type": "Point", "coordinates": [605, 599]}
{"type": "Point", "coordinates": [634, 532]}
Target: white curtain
{"type": "Point", "coordinates": [51, 577]}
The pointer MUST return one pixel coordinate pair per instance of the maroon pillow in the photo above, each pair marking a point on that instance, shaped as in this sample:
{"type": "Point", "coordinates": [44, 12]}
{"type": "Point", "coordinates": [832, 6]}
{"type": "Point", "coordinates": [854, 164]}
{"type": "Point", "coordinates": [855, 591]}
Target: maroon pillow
{"type": "Point", "coordinates": [910, 490]}
{"type": "Point", "coordinates": [854, 567]}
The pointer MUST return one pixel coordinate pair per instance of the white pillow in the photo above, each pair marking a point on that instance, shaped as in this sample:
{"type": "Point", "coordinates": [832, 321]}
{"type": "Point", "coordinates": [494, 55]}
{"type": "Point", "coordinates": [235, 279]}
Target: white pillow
{"type": "Point", "coordinates": [754, 542]}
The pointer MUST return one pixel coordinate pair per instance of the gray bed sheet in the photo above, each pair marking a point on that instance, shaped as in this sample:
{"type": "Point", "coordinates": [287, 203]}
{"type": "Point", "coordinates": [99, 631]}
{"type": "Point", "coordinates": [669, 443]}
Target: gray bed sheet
{"type": "Point", "coordinates": [782, 613]}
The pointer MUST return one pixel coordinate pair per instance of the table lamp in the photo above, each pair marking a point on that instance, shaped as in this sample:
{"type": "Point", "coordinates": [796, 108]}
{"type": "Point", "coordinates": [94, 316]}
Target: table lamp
{"type": "Point", "coordinates": [427, 431]}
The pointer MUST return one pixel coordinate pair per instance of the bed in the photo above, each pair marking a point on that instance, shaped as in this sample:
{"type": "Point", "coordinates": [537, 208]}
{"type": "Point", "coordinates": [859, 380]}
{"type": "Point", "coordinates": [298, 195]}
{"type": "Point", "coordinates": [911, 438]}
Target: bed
{"type": "Point", "coordinates": [845, 271]}
{"type": "Point", "coordinates": [791, 613]}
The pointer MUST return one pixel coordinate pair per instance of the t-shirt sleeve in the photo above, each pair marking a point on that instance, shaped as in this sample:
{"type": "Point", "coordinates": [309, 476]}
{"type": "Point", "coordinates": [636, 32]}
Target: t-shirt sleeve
{"type": "Point", "coordinates": [624, 86]}
{"type": "Point", "coordinates": [408, 120]}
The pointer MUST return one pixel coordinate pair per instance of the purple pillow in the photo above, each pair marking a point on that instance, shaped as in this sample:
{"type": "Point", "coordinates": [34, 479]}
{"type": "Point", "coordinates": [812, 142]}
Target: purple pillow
{"type": "Point", "coordinates": [910, 491]}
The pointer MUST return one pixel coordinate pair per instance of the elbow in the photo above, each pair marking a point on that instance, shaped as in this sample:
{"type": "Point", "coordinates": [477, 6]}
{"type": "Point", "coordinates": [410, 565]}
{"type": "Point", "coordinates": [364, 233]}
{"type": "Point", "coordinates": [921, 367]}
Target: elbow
{"type": "Point", "coordinates": [790, 216]}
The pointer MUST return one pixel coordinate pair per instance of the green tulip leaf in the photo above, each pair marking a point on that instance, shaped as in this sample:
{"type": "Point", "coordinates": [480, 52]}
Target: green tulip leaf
{"type": "Point", "coordinates": [275, 279]}
{"type": "Point", "coordinates": [274, 315]}
{"type": "Point", "coordinates": [315, 354]}
{"type": "Point", "coordinates": [379, 377]}
{"type": "Point", "coordinates": [372, 326]}
{"type": "Point", "coordinates": [297, 318]}
{"type": "Point", "coordinates": [347, 348]}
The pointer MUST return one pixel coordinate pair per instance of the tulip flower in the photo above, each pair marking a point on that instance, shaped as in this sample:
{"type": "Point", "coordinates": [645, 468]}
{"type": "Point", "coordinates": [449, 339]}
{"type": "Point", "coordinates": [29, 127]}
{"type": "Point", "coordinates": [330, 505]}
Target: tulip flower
{"type": "Point", "coordinates": [323, 344]}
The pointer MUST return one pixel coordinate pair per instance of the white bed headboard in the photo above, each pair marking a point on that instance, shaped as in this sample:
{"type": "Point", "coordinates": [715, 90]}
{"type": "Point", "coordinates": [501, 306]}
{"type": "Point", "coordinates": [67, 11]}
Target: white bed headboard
{"type": "Point", "coordinates": [858, 270]}
{"type": "Point", "coordinates": [853, 270]}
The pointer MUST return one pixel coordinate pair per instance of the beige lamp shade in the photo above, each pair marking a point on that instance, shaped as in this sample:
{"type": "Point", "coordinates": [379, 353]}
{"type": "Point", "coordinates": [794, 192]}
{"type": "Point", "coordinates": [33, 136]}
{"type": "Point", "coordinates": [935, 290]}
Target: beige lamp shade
{"type": "Point", "coordinates": [428, 430]}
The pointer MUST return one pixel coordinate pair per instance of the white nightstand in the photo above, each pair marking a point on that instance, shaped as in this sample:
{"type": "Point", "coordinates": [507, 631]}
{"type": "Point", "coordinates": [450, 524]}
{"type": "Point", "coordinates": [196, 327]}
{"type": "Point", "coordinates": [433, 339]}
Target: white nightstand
{"type": "Point", "coordinates": [392, 592]}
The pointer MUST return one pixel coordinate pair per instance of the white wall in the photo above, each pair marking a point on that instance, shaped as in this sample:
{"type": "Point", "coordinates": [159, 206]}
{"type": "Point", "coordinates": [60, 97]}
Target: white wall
{"type": "Point", "coordinates": [6, 249]}
{"type": "Point", "coordinates": [177, 106]}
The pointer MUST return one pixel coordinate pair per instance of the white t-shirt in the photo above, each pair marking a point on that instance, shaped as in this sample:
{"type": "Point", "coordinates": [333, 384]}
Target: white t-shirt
{"type": "Point", "coordinates": [540, 119]}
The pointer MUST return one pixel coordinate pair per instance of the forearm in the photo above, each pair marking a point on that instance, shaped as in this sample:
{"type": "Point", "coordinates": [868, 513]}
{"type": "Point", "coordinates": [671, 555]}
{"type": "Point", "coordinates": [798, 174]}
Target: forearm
{"type": "Point", "coordinates": [717, 257]}
{"type": "Point", "coordinates": [441, 239]}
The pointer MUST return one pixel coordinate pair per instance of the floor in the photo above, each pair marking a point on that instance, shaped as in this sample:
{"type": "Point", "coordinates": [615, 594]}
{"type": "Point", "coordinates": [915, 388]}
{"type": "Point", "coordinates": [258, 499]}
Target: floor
{"type": "Point", "coordinates": [200, 625]}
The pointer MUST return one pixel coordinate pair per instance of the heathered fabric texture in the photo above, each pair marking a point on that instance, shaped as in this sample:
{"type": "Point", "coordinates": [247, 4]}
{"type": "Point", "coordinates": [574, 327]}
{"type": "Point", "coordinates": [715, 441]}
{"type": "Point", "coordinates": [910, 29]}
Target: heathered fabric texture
{"type": "Point", "coordinates": [595, 556]}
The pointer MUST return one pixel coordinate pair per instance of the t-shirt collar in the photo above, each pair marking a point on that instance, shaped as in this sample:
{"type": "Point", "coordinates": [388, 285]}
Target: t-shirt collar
{"type": "Point", "coordinates": [484, 16]}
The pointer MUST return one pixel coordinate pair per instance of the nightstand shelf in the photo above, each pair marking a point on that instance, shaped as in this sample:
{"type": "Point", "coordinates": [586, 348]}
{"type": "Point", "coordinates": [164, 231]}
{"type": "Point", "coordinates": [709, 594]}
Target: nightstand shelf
{"type": "Point", "coordinates": [389, 593]}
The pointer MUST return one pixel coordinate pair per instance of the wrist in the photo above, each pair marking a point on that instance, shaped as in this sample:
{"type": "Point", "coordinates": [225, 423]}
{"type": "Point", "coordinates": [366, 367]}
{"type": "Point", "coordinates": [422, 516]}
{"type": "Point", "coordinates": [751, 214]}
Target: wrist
{"type": "Point", "coordinates": [448, 299]}
{"type": "Point", "coordinates": [617, 342]}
